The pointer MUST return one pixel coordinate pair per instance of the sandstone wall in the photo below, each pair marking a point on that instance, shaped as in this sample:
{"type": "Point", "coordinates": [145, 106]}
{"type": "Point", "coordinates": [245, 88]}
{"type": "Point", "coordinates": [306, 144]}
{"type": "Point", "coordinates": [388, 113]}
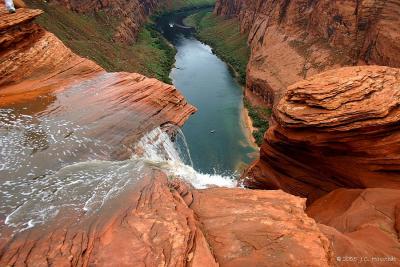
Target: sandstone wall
{"type": "Point", "coordinates": [35, 65]}
{"type": "Point", "coordinates": [337, 129]}
{"type": "Point", "coordinates": [294, 39]}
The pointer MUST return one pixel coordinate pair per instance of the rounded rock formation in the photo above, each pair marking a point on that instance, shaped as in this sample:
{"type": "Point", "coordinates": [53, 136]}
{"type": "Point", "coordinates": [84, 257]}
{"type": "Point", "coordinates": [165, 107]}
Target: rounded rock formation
{"type": "Point", "coordinates": [336, 129]}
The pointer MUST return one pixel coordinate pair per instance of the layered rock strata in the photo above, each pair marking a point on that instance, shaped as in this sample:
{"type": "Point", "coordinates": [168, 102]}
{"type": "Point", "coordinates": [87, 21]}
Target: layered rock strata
{"type": "Point", "coordinates": [334, 134]}
{"type": "Point", "coordinates": [165, 223]}
{"type": "Point", "coordinates": [293, 40]}
{"type": "Point", "coordinates": [259, 228]}
{"type": "Point", "coordinates": [35, 65]}
{"type": "Point", "coordinates": [336, 129]}
{"type": "Point", "coordinates": [154, 221]}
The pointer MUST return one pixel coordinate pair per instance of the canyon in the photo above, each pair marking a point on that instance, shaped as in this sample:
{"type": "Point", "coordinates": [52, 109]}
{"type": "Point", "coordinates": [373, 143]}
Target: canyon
{"type": "Point", "coordinates": [156, 220]}
{"type": "Point", "coordinates": [324, 192]}
{"type": "Point", "coordinates": [132, 14]}
{"type": "Point", "coordinates": [333, 135]}
{"type": "Point", "coordinates": [293, 40]}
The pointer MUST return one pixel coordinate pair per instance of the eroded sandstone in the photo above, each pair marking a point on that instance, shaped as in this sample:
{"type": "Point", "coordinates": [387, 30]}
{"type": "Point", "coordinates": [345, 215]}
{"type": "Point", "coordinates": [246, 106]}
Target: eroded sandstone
{"type": "Point", "coordinates": [36, 65]}
{"type": "Point", "coordinates": [160, 222]}
{"type": "Point", "coordinates": [336, 129]}
{"type": "Point", "coordinates": [154, 221]}
{"type": "Point", "coordinates": [293, 40]}
{"type": "Point", "coordinates": [361, 223]}
{"type": "Point", "coordinates": [259, 228]}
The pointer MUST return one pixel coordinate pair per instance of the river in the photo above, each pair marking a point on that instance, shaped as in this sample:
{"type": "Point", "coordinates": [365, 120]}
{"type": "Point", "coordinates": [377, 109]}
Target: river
{"type": "Point", "coordinates": [57, 150]}
{"type": "Point", "coordinates": [215, 134]}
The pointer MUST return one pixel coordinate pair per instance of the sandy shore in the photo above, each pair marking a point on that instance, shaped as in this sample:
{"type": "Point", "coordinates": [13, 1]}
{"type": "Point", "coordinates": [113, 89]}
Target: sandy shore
{"type": "Point", "coordinates": [248, 126]}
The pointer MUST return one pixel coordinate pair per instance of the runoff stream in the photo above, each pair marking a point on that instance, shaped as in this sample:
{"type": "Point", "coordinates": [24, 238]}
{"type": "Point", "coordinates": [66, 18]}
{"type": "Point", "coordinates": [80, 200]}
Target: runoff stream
{"type": "Point", "coordinates": [52, 167]}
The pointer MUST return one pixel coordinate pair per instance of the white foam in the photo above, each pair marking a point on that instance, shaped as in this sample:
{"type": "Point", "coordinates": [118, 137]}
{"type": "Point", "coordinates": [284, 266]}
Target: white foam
{"type": "Point", "coordinates": [37, 192]}
{"type": "Point", "coordinates": [157, 148]}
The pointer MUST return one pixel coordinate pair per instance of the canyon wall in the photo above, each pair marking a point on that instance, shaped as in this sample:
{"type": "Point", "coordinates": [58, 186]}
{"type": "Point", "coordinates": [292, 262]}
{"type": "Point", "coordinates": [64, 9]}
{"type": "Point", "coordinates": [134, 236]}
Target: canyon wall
{"type": "Point", "coordinates": [35, 66]}
{"type": "Point", "coordinates": [131, 15]}
{"type": "Point", "coordinates": [292, 40]}
{"type": "Point", "coordinates": [334, 139]}
{"type": "Point", "coordinates": [344, 119]}
{"type": "Point", "coordinates": [337, 116]}
{"type": "Point", "coordinates": [156, 220]}
{"type": "Point", "coordinates": [338, 129]}
{"type": "Point", "coordinates": [334, 133]}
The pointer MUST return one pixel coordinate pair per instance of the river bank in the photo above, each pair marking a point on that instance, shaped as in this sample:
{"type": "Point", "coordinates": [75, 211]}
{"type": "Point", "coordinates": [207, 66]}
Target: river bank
{"type": "Point", "coordinates": [208, 82]}
{"type": "Point", "coordinates": [247, 123]}
{"type": "Point", "coordinates": [92, 34]}
{"type": "Point", "coordinates": [227, 41]}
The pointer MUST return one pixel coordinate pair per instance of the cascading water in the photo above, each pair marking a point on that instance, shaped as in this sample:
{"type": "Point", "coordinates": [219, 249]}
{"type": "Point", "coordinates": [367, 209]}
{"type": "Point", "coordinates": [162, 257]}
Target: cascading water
{"type": "Point", "coordinates": [156, 148]}
{"type": "Point", "coordinates": [34, 189]}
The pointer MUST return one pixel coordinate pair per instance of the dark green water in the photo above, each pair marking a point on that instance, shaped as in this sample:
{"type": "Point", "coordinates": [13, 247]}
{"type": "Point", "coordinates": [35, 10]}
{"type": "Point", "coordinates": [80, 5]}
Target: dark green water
{"type": "Point", "coordinates": [215, 134]}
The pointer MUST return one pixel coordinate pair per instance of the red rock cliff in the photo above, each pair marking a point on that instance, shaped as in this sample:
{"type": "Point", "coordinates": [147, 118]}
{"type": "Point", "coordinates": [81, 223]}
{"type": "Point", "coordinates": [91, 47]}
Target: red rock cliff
{"type": "Point", "coordinates": [35, 64]}
{"type": "Point", "coordinates": [334, 139]}
{"type": "Point", "coordinates": [156, 221]}
{"type": "Point", "coordinates": [334, 134]}
{"type": "Point", "coordinates": [294, 39]}
{"type": "Point", "coordinates": [336, 129]}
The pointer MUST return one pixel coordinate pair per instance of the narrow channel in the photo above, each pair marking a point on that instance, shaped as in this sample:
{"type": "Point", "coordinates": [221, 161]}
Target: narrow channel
{"type": "Point", "coordinates": [215, 134]}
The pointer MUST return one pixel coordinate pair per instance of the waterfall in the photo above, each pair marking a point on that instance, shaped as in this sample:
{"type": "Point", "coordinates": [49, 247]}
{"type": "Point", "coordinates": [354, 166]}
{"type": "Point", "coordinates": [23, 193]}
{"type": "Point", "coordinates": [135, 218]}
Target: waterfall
{"type": "Point", "coordinates": [41, 191]}
{"type": "Point", "coordinates": [157, 148]}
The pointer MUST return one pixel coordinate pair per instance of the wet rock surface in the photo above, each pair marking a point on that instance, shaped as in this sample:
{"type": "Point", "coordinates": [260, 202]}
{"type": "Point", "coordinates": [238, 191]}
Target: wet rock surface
{"type": "Point", "coordinates": [164, 222]}
{"type": "Point", "coordinates": [333, 130]}
{"type": "Point", "coordinates": [36, 65]}
{"type": "Point", "coordinates": [147, 226]}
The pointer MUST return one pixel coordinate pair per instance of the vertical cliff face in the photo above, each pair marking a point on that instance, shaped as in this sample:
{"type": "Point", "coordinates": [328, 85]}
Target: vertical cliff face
{"type": "Point", "coordinates": [334, 134]}
{"type": "Point", "coordinates": [131, 14]}
{"type": "Point", "coordinates": [292, 40]}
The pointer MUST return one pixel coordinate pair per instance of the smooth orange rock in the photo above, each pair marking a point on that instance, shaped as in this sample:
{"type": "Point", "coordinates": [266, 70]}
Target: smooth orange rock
{"type": "Point", "coordinates": [362, 224]}
{"type": "Point", "coordinates": [154, 221]}
{"type": "Point", "coordinates": [293, 40]}
{"type": "Point", "coordinates": [160, 222]}
{"type": "Point", "coordinates": [259, 228]}
{"type": "Point", "coordinates": [336, 129]}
